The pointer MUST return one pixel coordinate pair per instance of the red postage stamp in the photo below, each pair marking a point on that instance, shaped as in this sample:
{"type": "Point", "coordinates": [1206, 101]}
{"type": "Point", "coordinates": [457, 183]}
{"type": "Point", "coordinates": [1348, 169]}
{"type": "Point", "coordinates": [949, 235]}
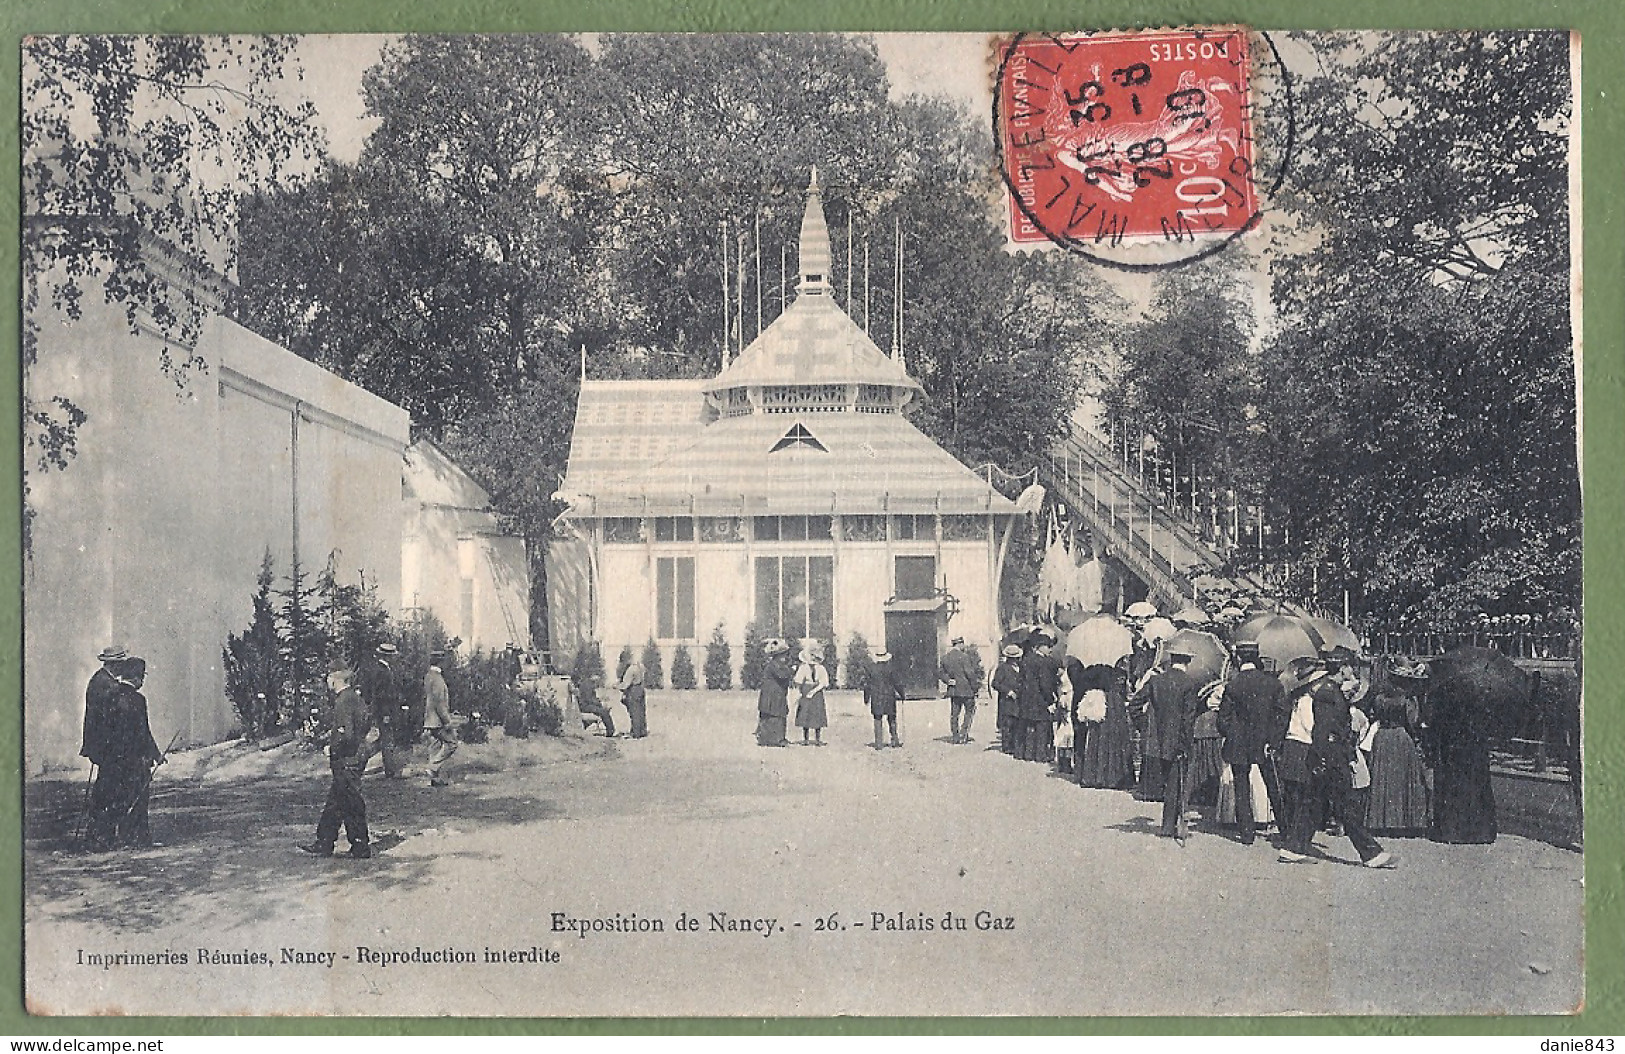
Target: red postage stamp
{"type": "Point", "coordinates": [1107, 138]}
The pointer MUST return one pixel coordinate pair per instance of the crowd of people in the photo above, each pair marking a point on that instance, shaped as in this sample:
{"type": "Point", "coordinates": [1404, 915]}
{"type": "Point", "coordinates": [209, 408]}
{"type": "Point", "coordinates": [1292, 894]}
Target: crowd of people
{"type": "Point", "coordinates": [1322, 746]}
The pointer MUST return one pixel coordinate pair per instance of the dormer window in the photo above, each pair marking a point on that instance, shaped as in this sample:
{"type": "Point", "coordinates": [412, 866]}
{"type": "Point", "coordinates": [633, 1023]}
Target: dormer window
{"type": "Point", "coordinates": [798, 436]}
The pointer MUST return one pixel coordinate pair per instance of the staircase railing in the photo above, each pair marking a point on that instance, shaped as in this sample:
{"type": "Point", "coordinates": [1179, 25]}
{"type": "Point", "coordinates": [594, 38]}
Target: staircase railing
{"type": "Point", "coordinates": [1160, 548]}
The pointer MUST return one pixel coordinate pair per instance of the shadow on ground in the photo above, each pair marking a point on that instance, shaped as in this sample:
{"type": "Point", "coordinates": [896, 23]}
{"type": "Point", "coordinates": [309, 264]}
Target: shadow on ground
{"type": "Point", "coordinates": [226, 835]}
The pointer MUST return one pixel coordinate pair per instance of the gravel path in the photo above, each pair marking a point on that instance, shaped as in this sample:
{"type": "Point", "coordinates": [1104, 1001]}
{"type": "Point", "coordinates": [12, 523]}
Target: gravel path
{"type": "Point", "coordinates": [867, 864]}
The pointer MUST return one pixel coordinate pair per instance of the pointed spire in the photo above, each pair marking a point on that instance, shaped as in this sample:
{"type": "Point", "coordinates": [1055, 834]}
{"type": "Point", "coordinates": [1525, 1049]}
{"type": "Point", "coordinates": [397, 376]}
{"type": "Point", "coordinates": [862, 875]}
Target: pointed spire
{"type": "Point", "coordinates": [815, 252]}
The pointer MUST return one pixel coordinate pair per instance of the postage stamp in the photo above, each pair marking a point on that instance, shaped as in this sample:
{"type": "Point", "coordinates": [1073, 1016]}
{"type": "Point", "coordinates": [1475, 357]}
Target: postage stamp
{"type": "Point", "coordinates": [1117, 138]}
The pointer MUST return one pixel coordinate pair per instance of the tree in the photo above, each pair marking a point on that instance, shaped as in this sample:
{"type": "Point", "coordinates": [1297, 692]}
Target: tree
{"type": "Point", "coordinates": [587, 670]}
{"type": "Point", "coordinates": [1419, 391]}
{"type": "Point", "coordinates": [131, 143]}
{"type": "Point", "coordinates": [253, 662]}
{"type": "Point", "coordinates": [302, 625]}
{"type": "Point", "coordinates": [654, 673]}
{"type": "Point", "coordinates": [719, 665]}
{"type": "Point", "coordinates": [1187, 380]}
{"type": "Point", "coordinates": [682, 669]}
{"type": "Point", "coordinates": [453, 268]}
{"type": "Point", "coordinates": [860, 663]}
{"type": "Point", "coordinates": [754, 658]}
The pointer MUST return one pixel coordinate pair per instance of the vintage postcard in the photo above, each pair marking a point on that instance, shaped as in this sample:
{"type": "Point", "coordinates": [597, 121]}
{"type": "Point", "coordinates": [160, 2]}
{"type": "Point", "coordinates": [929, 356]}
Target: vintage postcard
{"type": "Point", "coordinates": [802, 524]}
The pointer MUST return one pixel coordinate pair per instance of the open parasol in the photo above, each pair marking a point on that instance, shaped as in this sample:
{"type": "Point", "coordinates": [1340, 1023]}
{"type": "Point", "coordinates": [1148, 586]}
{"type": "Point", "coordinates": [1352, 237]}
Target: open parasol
{"type": "Point", "coordinates": [1157, 630]}
{"type": "Point", "coordinates": [1208, 657]}
{"type": "Point", "coordinates": [1280, 639]}
{"type": "Point", "coordinates": [1334, 634]}
{"type": "Point", "coordinates": [1100, 641]}
{"type": "Point", "coordinates": [1190, 615]}
{"type": "Point", "coordinates": [1141, 609]}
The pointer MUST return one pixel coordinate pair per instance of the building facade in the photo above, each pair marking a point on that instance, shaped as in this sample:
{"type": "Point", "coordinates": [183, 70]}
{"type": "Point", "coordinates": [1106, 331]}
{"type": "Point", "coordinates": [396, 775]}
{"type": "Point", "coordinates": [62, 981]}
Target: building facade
{"type": "Point", "coordinates": [458, 562]}
{"type": "Point", "coordinates": [789, 491]}
{"type": "Point", "coordinates": [153, 534]}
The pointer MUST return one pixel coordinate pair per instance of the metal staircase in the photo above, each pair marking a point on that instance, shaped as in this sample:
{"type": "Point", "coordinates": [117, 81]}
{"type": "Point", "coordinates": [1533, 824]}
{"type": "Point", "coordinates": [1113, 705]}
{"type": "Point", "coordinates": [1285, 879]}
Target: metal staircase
{"type": "Point", "coordinates": [1132, 520]}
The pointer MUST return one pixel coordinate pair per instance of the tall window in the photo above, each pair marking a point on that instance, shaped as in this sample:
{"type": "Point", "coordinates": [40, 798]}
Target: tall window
{"type": "Point", "coordinates": [795, 596]}
{"type": "Point", "coordinates": [674, 598]}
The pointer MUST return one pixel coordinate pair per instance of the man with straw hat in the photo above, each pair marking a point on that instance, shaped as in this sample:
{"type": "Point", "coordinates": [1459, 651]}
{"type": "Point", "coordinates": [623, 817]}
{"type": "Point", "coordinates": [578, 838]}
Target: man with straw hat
{"type": "Point", "coordinates": [773, 698]}
{"type": "Point", "coordinates": [381, 691]}
{"type": "Point", "coordinates": [120, 744]}
{"type": "Point", "coordinates": [1006, 688]}
{"type": "Point", "coordinates": [1320, 775]}
{"type": "Point", "coordinates": [881, 693]}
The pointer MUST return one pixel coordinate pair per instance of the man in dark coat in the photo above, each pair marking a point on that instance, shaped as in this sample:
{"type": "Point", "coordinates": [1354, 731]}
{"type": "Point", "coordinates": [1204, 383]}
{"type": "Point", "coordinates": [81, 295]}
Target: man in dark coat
{"type": "Point", "coordinates": [346, 759]}
{"type": "Point", "coordinates": [773, 698]}
{"type": "Point", "coordinates": [100, 695]}
{"type": "Point", "coordinates": [381, 692]}
{"type": "Point", "coordinates": [958, 674]}
{"type": "Point", "coordinates": [1035, 707]}
{"type": "Point", "coordinates": [120, 744]}
{"type": "Point", "coordinates": [881, 693]}
{"type": "Point", "coordinates": [1174, 698]}
{"type": "Point", "coordinates": [1251, 718]}
{"type": "Point", "coordinates": [1006, 687]}
{"type": "Point", "coordinates": [1330, 773]}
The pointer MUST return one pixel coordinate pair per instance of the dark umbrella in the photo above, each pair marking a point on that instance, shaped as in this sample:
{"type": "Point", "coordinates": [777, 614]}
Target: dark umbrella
{"type": "Point", "coordinates": [1480, 685]}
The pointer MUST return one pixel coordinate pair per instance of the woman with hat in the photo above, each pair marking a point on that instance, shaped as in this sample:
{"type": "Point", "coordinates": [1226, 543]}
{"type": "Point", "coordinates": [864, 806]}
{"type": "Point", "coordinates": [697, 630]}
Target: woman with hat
{"type": "Point", "coordinates": [772, 699]}
{"type": "Point", "coordinates": [1108, 751]}
{"type": "Point", "coordinates": [1006, 688]}
{"type": "Point", "coordinates": [811, 679]}
{"type": "Point", "coordinates": [1399, 797]}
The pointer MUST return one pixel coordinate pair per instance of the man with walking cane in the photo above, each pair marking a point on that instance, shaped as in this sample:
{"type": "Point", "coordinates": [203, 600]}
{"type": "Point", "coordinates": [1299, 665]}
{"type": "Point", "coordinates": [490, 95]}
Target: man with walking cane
{"type": "Point", "coordinates": [100, 695]}
{"type": "Point", "coordinates": [118, 741]}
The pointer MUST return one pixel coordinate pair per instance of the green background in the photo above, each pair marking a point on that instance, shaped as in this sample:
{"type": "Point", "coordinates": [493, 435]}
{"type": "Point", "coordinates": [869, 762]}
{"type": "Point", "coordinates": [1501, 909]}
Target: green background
{"type": "Point", "coordinates": [1601, 87]}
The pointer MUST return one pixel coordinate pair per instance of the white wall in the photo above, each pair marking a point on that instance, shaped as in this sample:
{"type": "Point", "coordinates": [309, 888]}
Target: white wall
{"type": "Point", "coordinates": [153, 535]}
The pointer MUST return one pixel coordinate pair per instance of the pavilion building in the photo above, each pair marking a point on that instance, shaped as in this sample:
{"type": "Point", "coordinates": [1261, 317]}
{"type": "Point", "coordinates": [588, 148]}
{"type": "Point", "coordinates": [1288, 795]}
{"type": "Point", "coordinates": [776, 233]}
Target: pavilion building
{"type": "Point", "coordinates": [790, 490]}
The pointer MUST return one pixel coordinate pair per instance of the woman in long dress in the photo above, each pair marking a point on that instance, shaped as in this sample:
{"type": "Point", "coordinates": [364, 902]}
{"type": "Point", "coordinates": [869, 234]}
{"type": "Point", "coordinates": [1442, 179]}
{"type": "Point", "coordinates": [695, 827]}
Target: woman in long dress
{"type": "Point", "coordinates": [810, 681]}
{"type": "Point", "coordinates": [1108, 752]}
{"type": "Point", "coordinates": [772, 705]}
{"type": "Point", "coordinates": [1463, 802]}
{"type": "Point", "coordinates": [1205, 762]}
{"type": "Point", "coordinates": [1399, 794]}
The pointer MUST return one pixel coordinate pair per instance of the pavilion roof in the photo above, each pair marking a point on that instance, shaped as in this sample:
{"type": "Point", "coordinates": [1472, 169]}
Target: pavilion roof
{"type": "Point", "coordinates": [868, 464]}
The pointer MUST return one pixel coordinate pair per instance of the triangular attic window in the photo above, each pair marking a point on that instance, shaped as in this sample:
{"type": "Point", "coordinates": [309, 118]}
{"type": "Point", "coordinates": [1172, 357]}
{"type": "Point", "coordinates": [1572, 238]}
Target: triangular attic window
{"type": "Point", "coordinates": [798, 436]}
